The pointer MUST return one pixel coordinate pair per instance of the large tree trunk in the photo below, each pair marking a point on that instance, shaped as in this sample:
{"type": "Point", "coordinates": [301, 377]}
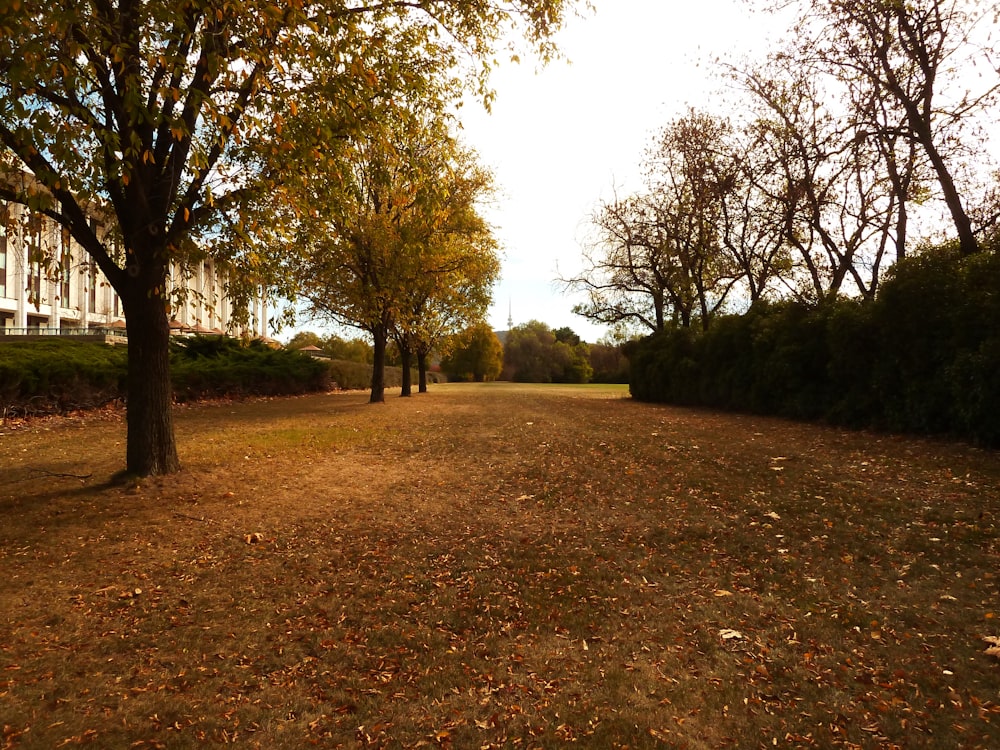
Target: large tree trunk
{"type": "Point", "coordinates": [422, 372]}
{"type": "Point", "coordinates": [150, 446]}
{"type": "Point", "coordinates": [406, 361]}
{"type": "Point", "coordinates": [379, 337]}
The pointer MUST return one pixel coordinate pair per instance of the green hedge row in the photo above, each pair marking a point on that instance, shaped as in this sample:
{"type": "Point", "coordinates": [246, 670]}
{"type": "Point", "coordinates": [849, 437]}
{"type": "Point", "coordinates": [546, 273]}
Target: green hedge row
{"type": "Point", "coordinates": [56, 375]}
{"type": "Point", "coordinates": [923, 357]}
{"type": "Point", "coordinates": [53, 375]}
{"type": "Point", "coordinates": [212, 367]}
{"type": "Point", "coordinates": [357, 376]}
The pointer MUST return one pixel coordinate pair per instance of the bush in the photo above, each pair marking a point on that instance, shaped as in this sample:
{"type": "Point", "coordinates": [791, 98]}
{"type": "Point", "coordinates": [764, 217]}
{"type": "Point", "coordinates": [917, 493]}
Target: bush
{"type": "Point", "coordinates": [51, 375]}
{"type": "Point", "coordinates": [356, 376]}
{"type": "Point", "coordinates": [55, 375]}
{"type": "Point", "coordinates": [351, 376]}
{"type": "Point", "coordinates": [923, 357]}
{"type": "Point", "coordinates": [212, 367]}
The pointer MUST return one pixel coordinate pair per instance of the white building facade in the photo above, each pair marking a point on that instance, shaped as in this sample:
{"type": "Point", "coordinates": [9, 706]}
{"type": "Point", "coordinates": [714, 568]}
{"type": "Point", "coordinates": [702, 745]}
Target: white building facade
{"type": "Point", "coordinates": [71, 295]}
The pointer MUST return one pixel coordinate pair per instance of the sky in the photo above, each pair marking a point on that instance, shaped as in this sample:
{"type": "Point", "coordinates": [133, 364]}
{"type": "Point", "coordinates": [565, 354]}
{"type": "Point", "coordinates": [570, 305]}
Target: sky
{"type": "Point", "coordinates": [562, 139]}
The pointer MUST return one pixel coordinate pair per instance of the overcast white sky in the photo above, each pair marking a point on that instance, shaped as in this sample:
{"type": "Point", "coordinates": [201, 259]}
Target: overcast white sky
{"type": "Point", "coordinates": [560, 140]}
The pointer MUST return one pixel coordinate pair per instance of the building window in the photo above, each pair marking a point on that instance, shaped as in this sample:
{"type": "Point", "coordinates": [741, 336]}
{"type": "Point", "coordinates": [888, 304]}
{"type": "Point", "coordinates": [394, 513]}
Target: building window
{"type": "Point", "coordinates": [210, 293]}
{"type": "Point", "coordinates": [92, 287]}
{"type": "Point", "coordinates": [64, 265]}
{"type": "Point", "coordinates": [3, 261]}
{"type": "Point", "coordinates": [64, 284]}
{"type": "Point", "coordinates": [35, 283]}
{"type": "Point", "coordinates": [35, 256]}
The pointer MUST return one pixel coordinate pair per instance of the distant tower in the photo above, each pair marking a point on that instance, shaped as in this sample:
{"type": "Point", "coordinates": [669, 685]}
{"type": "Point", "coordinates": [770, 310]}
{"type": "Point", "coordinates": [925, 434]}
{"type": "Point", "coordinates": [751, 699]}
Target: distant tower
{"type": "Point", "coordinates": [510, 315]}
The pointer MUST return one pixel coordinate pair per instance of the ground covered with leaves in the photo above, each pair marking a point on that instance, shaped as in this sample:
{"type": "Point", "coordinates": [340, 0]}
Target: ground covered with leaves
{"type": "Point", "coordinates": [490, 566]}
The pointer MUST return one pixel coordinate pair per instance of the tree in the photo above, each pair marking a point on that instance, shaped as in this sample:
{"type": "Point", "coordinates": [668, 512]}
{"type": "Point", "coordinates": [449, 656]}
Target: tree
{"type": "Point", "coordinates": [533, 354]}
{"type": "Point", "coordinates": [626, 273]}
{"type": "Point", "coordinates": [394, 244]}
{"type": "Point", "coordinates": [579, 369]}
{"type": "Point", "coordinates": [829, 196]}
{"type": "Point", "coordinates": [453, 266]}
{"type": "Point", "coordinates": [917, 58]}
{"type": "Point", "coordinates": [660, 253]}
{"type": "Point", "coordinates": [353, 241]}
{"type": "Point", "coordinates": [305, 338]}
{"type": "Point", "coordinates": [165, 116]}
{"type": "Point", "coordinates": [352, 350]}
{"type": "Point", "coordinates": [475, 354]}
{"type": "Point", "coordinates": [750, 230]}
{"type": "Point", "coordinates": [609, 363]}
{"type": "Point", "coordinates": [690, 171]}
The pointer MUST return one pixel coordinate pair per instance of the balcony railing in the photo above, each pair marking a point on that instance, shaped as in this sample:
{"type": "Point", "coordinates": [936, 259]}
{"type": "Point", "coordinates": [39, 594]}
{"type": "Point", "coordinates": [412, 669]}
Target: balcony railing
{"type": "Point", "coordinates": [42, 331]}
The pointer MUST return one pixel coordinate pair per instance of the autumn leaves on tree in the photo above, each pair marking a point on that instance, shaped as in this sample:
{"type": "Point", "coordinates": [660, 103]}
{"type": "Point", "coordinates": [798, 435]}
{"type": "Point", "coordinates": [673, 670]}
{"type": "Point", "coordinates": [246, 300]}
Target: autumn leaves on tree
{"type": "Point", "coordinates": [394, 243]}
{"type": "Point", "coordinates": [180, 124]}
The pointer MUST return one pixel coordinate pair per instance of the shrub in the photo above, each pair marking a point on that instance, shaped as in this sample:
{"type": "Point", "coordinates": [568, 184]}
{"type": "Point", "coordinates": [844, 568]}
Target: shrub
{"type": "Point", "coordinates": [207, 367]}
{"type": "Point", "coordinates": [351, 376]}
{"type": "Point", "coordinates": [56, 375]}
{"type": "Point", "coordinates": [923, 357]}
{"type": "Point", "coordinates": [52, 375]}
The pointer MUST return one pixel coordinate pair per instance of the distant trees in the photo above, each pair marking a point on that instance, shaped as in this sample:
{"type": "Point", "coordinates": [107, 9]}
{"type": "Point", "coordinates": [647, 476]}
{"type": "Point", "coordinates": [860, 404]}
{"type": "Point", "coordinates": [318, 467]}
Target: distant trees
{"type": "Point", "coordinates": [305, 338]}
{"type": "Point", "coordinates": [336, 347]}
{"type": "Point", "coordinates": [350, 350]}
{"type": "Point", "coordinates": [534, 353]}
{"type": "Point", "coordinates": [608, 363]}
{"type": "Point", "coordinates": [475, 354]}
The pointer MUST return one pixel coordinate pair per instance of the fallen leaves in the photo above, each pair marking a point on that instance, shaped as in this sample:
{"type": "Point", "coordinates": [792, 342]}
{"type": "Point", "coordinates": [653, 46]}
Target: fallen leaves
{"type": "Point", "coordinates": [994, 648]}
{"type": "Point", "coordinates": [573, 581]}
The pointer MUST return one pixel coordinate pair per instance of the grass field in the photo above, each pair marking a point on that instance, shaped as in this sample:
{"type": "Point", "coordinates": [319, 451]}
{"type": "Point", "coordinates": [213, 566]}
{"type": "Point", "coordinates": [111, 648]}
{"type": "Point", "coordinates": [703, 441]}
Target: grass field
{"type": "Point", "coordinates": [491, 566]}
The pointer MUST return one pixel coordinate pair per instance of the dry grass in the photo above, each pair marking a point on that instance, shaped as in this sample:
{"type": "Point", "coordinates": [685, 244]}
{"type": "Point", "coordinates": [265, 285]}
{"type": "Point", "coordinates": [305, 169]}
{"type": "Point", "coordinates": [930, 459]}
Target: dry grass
{"type": "Point", "coordinates": [496, 566]}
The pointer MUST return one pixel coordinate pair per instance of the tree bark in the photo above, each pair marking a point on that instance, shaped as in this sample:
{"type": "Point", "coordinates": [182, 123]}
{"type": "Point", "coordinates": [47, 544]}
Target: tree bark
{"type": "Point", "coordinates": [379, 337]}
{"type": "Point", "coordinates": [406, 359]}
{"type": "Point", "coordinates": [422, 372]}
{"type": "Point", "coordinates": [150, 445]}
{"type": "Point", "coordinates": [917, 34]}
{"type": "Point", "coordinates": [967, 242]}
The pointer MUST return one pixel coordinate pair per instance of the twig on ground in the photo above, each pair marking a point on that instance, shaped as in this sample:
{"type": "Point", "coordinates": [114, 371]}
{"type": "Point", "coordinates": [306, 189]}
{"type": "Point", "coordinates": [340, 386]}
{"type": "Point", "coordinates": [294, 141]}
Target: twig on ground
{"type": "Point", "coordinates": [81, 477]}
{"type": "Point", "coordinates": [194, 518]}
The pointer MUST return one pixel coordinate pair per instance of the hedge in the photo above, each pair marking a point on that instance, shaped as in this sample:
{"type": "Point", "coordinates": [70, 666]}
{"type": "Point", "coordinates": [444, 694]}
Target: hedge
{"type": "Point", "coordinates": [55, 375]}
{"type": "Point", "coordinates": [51, 375]}
{"type": "Point", "coordinates": [923, 357]}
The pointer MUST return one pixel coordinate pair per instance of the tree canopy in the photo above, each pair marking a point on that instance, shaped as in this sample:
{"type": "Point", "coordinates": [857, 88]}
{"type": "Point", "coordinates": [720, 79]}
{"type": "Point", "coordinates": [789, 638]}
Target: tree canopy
{"type": "Point", "coordinates": [394, 243]}
{"type": "Point", "coordinates": [165, 119]}
{"type": "Point", "coordinates": [534, 353]}
{"type": "Point", "coordinates": [475, 354]}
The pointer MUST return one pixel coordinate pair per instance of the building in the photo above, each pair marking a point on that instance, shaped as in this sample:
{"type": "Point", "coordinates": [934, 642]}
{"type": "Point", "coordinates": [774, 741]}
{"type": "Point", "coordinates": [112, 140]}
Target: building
{"type": "Point", "coordinates": [72, 296]}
